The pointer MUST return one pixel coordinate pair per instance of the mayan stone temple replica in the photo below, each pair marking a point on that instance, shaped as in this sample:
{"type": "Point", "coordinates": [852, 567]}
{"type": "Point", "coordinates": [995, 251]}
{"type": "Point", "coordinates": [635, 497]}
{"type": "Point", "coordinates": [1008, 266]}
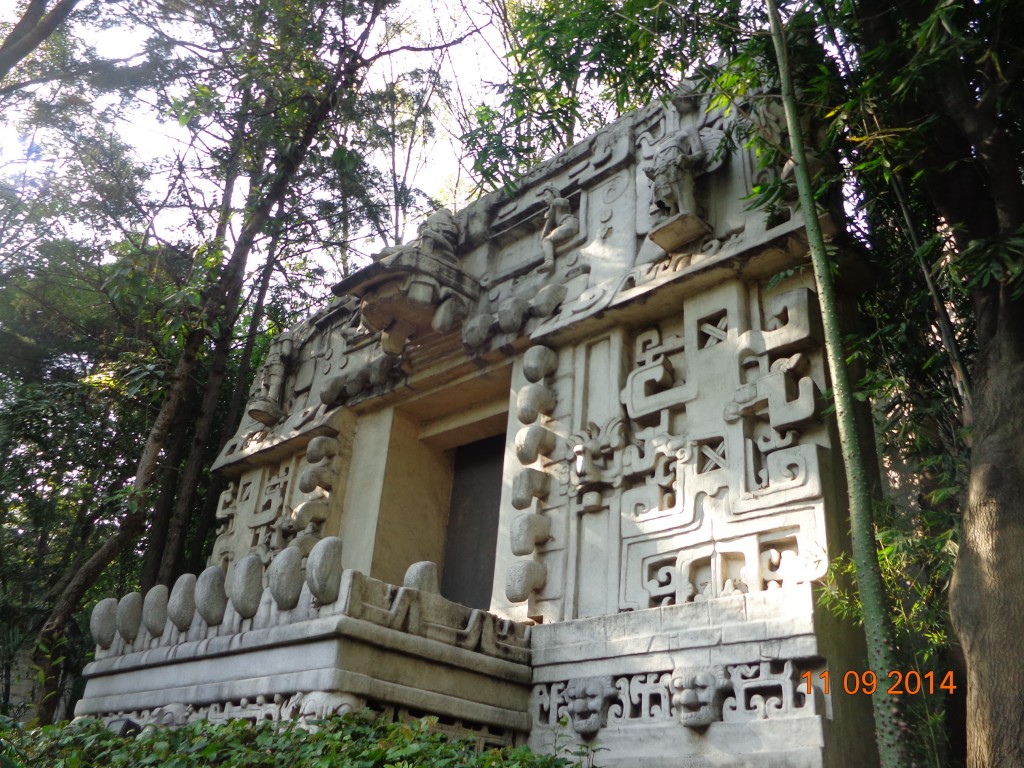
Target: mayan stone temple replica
{"type": "Point", "coordinates": [557, 472]}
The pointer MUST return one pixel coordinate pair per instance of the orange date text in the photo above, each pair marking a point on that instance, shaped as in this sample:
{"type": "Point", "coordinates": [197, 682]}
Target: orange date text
{"type": "Point", "coordinates": [897, 683]}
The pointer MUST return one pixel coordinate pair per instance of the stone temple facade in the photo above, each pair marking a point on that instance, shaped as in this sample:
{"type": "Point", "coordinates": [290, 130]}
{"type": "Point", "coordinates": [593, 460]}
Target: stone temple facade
{"type": "Point", "coordinates": [555, 472]}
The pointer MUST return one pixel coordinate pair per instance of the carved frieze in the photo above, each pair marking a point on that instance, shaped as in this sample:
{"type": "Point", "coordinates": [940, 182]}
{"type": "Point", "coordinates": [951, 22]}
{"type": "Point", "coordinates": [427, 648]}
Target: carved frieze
{"type": "Point", "coordinates": [304, 707]}
{"type": "Point", "coordinates": [695, 698]}
{"type": "Point", "coordinates": [766, 690]}
{"type": "Point", "coordinates": [713, 461]}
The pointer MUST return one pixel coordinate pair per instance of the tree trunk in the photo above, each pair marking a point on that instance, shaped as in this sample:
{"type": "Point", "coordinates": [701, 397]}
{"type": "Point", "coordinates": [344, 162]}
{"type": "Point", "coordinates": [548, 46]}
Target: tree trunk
{"type": "Point", "coordinates": [161, 517]}
{"type": "Point", "coordinates": [239, 396]}
{"type": "Point", "coordinates": [31, 30]}
{"type": "Point", "coordinates": [198, 459]}
{"type": "Point", "coordinates": [46, 654]}
{"type": "Point", "coordinates": [969, 163]}
{"type": "Point", "coordinates": [131, 526]}
{"type": "Point", "coordinates": [987, 612]}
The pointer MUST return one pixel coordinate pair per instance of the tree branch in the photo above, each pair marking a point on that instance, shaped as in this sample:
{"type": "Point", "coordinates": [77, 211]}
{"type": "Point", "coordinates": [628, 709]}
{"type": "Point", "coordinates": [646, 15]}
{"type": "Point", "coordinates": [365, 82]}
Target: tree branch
{"type": "Point", "coordinates": [65, 75]}
{"type": "Point", "coordinates": [30, 32]}
{"type": "Point", "coordinates": [423, 48]}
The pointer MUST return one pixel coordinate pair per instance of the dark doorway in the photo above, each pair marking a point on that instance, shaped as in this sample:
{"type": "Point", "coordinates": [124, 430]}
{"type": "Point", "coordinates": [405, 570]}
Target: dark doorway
{"type": "Point", "coordinates": [473, 523]}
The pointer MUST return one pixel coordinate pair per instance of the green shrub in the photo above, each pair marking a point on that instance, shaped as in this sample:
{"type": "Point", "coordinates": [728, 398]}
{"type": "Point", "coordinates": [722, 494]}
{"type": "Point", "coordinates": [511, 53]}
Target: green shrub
{"type": "Point", "coordinates": [348, 742]}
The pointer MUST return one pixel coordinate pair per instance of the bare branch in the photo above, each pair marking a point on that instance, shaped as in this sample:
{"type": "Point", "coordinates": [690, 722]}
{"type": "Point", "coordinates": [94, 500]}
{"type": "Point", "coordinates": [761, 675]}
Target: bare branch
{"type": "Point", "coordinates": [424, 48]}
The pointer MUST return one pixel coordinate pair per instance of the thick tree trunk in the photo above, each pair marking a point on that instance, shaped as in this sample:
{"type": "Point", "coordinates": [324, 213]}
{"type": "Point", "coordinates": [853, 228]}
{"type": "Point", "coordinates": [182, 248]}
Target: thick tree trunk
{"type": "Point", "coordinates": [170, 475]}
{"type": "Point", "coordinates": [239, 396]}
{"type": "Point", "coordinates": [970, 168]}
{"type": "Point", "coordinates": [198, 459]}
{"type": "Point", "coordinates": [987, 612]}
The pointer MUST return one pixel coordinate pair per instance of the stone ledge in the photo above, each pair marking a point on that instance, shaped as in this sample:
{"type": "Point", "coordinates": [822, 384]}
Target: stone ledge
{"type": "Point", "coordinates": [767, 615]}
{"type": "Point", "coordinates": [315, 680]}
{"type": "Point", "coordinates": [304, 633]}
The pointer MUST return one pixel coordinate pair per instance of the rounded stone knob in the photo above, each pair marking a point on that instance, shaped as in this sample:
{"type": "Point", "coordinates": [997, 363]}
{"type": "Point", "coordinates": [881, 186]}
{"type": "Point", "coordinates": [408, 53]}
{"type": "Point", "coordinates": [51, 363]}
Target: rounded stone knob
{"type": "Point", "coordinates": [321, 447]}
{"type": "Point", "coordinates": [129, 616]}
{"type": "Point", "coordinates": [247, 586]}
{"type": "Point", "coordinates": [323, 570]}
{"type": "Point", "coordinates": [154, 610]}
{"type": "Point", "coordinates": [533, 400]}
{"type": "Point", "coordinates": [211, 599]}
{"type": "Point", "coordinates": [538, 362]}
{"type": "Point", "coordinates": [523, 578]}
{"type": "Point", "coordinates": [103, 622]}
{"type": "Point", "coordinates": [534, 441]}
{"type": "Point", "coordinates": [181, 606]}
{"type": "Point", "coordinates": [286, 578]}
{"type": "Point", "coordinates": [422, 576]}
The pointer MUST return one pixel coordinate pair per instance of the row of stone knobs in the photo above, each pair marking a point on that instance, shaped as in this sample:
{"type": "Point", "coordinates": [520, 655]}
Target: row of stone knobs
{"type": "Point", "coordinates": [207, 595]}
{"type": "Point", "coordinates": [534, 441]}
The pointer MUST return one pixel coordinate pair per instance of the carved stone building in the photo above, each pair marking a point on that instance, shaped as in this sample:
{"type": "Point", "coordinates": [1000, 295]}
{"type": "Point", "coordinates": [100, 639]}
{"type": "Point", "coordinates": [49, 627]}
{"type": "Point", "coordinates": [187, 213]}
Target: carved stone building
{"type": "Point", "coordinates": [556, 470]}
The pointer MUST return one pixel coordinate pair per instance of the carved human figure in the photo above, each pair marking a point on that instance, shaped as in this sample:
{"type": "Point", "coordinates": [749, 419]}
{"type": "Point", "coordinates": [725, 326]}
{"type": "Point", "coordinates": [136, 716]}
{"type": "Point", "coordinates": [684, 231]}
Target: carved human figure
{"type": "Point", "coordinates": [265, 405]}
{"type": "Point", "coordinates": [439, 234]}
{"type": "Point", "coordinates": [560, 226]}
{"type": "Point", "coordinates": [680, 157]}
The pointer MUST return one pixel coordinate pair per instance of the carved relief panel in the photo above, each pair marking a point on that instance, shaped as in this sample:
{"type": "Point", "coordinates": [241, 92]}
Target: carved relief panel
{"type": "Point", "coordinates": [273, 506]}
{"type": "Point", "coordinates": [722, 474]}
{"type": "Point", "coordinates": [691, 457]}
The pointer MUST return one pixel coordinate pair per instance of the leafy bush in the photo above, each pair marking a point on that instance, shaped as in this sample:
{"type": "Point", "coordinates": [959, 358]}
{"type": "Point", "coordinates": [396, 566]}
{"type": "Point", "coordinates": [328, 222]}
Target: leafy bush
{"type": "Point", "coordinates": [348, 742]}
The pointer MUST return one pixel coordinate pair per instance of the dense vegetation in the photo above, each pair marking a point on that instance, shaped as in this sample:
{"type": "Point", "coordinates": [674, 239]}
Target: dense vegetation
{"type": "Point", "coordinates": [350, 742]}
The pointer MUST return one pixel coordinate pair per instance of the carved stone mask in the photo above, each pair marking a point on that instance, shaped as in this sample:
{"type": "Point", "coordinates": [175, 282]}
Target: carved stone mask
{"type": "Point", "coordinates": [588, 701]}
{"type": "Point", "coordinates": [698, 698]}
